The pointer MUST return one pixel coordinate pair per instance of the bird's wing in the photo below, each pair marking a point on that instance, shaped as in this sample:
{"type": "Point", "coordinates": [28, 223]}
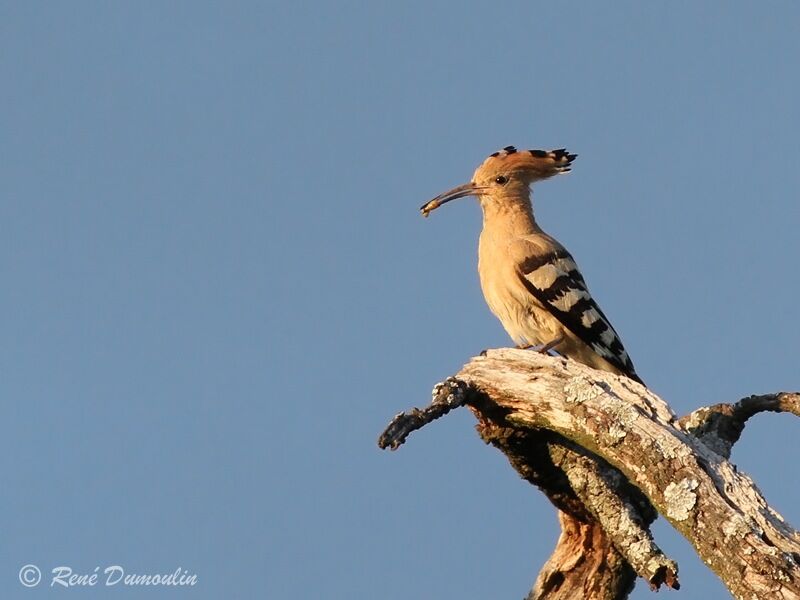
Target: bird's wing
{"type": "Point", "coordinates": [554, 280]}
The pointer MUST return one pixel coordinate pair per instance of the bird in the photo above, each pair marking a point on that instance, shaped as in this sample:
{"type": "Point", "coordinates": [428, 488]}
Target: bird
{"type": "Point", "coordinates": [530, 281]}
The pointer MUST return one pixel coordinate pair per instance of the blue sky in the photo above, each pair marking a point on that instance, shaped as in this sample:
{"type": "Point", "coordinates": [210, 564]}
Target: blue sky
{"type": "Point", "coordinates": [218, 287]}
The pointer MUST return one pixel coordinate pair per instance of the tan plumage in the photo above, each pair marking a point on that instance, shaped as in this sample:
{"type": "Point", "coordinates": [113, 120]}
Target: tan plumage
{"type": "Point", "coordinates": [530, 281]}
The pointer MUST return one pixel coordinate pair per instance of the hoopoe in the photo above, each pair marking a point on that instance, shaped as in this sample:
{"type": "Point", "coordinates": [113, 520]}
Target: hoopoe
{"type": "Point", "coordinates": [530, 282]}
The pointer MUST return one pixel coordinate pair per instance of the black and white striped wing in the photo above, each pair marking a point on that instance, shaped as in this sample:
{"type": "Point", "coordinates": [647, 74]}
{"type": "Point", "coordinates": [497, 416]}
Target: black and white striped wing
{"type": "Point", "coordinates": [555, 281]}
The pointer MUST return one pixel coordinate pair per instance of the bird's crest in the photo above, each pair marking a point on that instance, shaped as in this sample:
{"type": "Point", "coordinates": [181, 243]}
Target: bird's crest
{"type": "Point", "coordinates": [533, 164]}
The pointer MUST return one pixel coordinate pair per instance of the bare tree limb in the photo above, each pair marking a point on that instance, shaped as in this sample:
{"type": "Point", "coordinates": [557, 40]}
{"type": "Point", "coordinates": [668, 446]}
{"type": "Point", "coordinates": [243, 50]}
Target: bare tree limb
{"type": "Point", "coordinates": [568, 429]}
{"type": "Point", "coordinates": [609, 518]}
{"type": "Point", "coordinates": [447, 395]}
{"type": "Point", "coordinates": [721, 425]}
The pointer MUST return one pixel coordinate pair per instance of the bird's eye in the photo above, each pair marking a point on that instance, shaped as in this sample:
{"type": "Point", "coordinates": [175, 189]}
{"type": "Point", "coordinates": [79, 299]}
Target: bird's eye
{"type": "Point", "coordinates": [501, 179]}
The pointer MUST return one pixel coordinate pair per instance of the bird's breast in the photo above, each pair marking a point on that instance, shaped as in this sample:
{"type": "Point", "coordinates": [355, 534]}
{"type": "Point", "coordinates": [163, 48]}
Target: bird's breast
{"type": "Point", "coordinates": [506, 295]}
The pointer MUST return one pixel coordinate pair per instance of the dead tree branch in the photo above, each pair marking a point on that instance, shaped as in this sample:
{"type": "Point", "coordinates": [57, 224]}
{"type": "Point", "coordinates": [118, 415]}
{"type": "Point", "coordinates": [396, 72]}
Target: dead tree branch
{"type": "Point", "coordinates": [609, 453]}
{"type": "Point", "coordinates": [721, 425]}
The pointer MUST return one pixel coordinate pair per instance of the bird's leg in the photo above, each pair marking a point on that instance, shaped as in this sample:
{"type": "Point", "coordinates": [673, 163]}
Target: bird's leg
{"type": "Point", "coordinates": [544, 348]}
{"type": "Point", "coordinates": [550, 345]}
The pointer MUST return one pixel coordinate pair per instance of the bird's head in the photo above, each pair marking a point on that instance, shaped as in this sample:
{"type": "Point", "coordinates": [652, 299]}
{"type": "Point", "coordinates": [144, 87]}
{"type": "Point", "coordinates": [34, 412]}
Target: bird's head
{"type": "Point", "coordinates": [507, 174]}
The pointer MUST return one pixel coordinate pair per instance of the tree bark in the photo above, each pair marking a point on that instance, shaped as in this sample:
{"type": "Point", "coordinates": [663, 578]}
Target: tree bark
{"type": "Point", "coordinates": [609, 453]}
{"type": "Point", "coordinates": [584, 564]}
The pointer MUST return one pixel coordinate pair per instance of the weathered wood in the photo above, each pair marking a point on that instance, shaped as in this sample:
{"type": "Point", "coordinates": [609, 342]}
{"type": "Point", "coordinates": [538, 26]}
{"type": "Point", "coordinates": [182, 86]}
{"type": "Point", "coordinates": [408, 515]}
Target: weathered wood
{"type": "Point", "coordinates": [615, 516]}
{"type": "Point", "coordinates": [584, 564]}
{"type": "Point", "coordinates": [571, 430]}
{"type": "Point", "coordinates": [721, 425]}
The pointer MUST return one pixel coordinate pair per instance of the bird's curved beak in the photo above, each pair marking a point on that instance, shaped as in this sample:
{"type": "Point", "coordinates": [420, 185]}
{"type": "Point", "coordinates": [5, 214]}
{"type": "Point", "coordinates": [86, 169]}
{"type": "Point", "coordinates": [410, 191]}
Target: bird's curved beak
{"type": "Point", "coordinates": [468, 189]}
